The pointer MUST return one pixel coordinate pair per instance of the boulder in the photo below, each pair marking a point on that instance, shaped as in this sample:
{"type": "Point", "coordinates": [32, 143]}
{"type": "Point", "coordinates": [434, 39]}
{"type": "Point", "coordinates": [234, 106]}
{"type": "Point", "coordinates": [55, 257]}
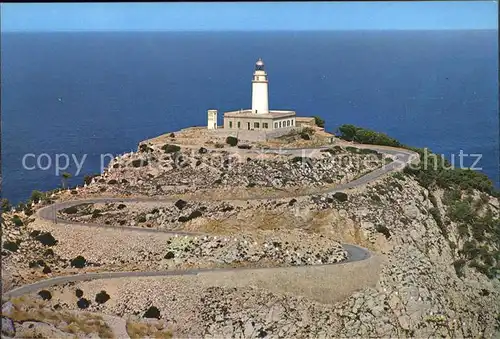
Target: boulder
{"type": "Point", "coordinates": [8, 328]}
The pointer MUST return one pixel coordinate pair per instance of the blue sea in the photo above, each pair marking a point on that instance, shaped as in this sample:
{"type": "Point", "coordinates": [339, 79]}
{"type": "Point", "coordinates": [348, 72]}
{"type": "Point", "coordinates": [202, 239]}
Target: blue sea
{"type": "Point", "coordinates": [97, 93]}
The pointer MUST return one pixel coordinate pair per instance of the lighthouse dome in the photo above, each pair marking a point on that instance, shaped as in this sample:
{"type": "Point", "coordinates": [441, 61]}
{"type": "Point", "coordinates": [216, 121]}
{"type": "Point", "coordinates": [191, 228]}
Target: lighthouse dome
{"type": "Point", "coordinates": [259, 65]}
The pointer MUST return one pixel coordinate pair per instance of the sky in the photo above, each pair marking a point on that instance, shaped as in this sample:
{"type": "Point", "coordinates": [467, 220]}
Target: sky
{"type": "Point", "coordinates": [249, 16]}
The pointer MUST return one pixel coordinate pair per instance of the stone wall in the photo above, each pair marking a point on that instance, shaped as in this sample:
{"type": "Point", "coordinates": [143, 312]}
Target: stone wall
{"type": "Point", "coordinates": [256, 135]}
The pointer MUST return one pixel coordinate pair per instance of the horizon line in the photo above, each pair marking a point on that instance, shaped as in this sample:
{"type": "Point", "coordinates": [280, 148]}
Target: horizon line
{"type": "Point", "coordinates": [245, 31]}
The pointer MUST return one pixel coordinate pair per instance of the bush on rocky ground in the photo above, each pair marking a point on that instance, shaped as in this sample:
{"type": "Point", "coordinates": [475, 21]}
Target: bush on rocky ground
{"type": "Point", "coordinates": [340, 196]}
{"type": "Point", "coordinates": [34, 233]}
{"type": "Point", "coordinates": [139, 162]}
{"type": "Point", "coordinates": [36, 196]}
{"type": "Point", "coordinates": [202, 150]}
{"type": "Point", "coordinates": [46, 239]}
{"type": "Point", "coordinates": [169, 148]}
{"type": "Point", "coordinates": [70, 210]}
{"type": "Point", "coordinates": [305, 135]}
{"type": "Point", "coordinates": [384, 230]}
{"type": "Point", "coordinates": [46, 295]}
{"type": "Point", "coordinates": [193, 215]}
{"type": "Point", "coordinates": [244, 146]}
{"type": "Point", "coordinates": [152, 312]}
{"type": "Point", "coordinates": [10, 246]}
{"type": "Point", "coordinates": [17, 221]}
{"type": "Point", "coordinates": [87, 179]}
{"type": "Point", "coordinates": [232, 141]}
{"type": "Point", "coordinates": [83, 303]}
{"type": "Point", "coordinates": [180, 204]}
{"type": "Point", "coordinates": [102, 297]}
{"type": "Point", "coordinates": [318, 121]}
{"type": "Point", "coordinates": [366, 136]}
{"type": "Point", "coordinates": [5, 205]}
{"type": "Point", "coordinates": [79, 293]}
{"type": "Point", "coordinates": [78, 262]}
{"type": "Point", "coordinates": [303, 160]}
{"type": "Point", "coordinates": [140, 218]}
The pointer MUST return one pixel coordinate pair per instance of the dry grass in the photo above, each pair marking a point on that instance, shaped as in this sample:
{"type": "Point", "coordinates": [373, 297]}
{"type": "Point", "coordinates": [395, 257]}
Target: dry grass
{"type": "Point", "coordinates": [138, 330]}
{"type": "Point", "coordinates": [29, 309]}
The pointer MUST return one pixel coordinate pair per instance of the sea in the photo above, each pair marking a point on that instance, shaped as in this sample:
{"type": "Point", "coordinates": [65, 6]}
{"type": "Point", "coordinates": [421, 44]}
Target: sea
{"type": "Point", "coordinates": [82, 95]}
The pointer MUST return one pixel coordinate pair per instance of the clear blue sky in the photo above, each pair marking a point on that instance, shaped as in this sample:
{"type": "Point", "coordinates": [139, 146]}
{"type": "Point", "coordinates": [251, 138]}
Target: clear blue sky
{"type": "Point", "coordinates": [249, 16]}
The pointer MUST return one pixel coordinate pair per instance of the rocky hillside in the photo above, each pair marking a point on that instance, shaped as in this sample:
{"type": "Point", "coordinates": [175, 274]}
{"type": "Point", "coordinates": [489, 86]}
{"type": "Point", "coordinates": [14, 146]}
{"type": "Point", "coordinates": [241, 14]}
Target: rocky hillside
{"type": "Point", "coordinates": [168, 169]}
{"type": "Point", "coordinates": [437, 233]}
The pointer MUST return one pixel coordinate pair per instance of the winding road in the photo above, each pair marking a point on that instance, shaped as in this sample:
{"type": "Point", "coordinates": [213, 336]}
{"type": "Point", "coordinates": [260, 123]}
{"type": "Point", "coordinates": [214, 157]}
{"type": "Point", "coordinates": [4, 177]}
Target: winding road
{"type": "Point", "coordinates": [401, 158]}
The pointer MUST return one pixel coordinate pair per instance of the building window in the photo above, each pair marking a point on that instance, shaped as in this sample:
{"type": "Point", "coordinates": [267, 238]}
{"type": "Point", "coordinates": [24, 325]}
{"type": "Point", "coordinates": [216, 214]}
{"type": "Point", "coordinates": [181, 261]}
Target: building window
{"type": "Point", "coordinates": [275, 125]}
{"type": "Point", "coordinates": [287, 123]}
{"type": "Point", "coordinates": [255, 125]}
{"type": "Point", "coordinates": [292, 122]}
{"type": "Point", "coordinates": [265, 125]}
{"type": "Point", "coordinates": [239, 124]}
{"type": "Point", "coordinates": [280, 124]}
{"type": "Point", "coordinates": [230, 124]}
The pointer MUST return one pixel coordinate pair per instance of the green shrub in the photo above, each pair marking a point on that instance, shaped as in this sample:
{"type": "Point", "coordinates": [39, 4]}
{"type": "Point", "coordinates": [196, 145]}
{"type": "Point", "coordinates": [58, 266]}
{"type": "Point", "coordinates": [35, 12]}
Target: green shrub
{"type": "Point", "coordinates": [17, 221]}
{"type": "Point", "coordinates": [78, 262]}
{"type": "Point", "coordinates": [36, 196]}
{"type": "Point", "coordinates": [192, 215]}
{"type": "Point", "coordinates": [318, 121]}
{"type": "Point", "coordinates": [232, 141]}
{"type": "Point", "coordinates": [340, 196]}
{"type": "Point", "coordinates": [87, 179]}
{"type": "Point", "coordinates": [143, 148]}
{"type": "Point", "coordinates": [6, 206]}
{"type": "Point", "coordinates": [308, 130]}
{"type": "Point", "coordinates": [140, 218]}
{"type": "Point", "coordinates": [366, 136]}
{"type": "Point", "coordinates": [169, 148]}
{"type": "Point", "coordinates": [70, 210]}
{"type": "Point", "coordinates": [305, 136]}
{"type": "Point", "coordinates": [384, 230]}
{"type": "Point", "coordinates": [459, 267]}
{"type": "Point", "coordinates": [46, 239]}
{"type": "Point", "coordinates": [434, 211]}
{"type": "Point", "coordinates": [461, 211]}
{"type": "Point", "coordinates": [139, 162]}
{"type": "Point", "coordinates": [399, 176]}
{"type": "Point", "coordinates": [10, 246]}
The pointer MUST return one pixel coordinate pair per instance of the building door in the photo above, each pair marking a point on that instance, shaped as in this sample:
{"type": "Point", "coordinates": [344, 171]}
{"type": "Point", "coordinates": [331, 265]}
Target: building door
{"type": "Point", "coordinates": [248, 125]}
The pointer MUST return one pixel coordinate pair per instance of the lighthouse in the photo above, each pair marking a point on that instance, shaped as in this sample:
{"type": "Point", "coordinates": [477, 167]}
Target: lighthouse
{"type": "Point", "coordinates": [260, 101]}
{"type": "Point", "coordinates": [258, 118]}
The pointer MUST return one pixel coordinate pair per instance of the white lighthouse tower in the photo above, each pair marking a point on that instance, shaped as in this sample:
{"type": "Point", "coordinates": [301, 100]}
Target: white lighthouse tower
{"type": "Point", "coordinates": [260, 101]}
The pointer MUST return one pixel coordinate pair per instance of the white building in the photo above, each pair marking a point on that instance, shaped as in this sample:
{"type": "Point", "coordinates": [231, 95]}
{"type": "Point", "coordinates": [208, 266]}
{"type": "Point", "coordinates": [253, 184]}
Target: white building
{"type": "Point", "coordinates": [259, 117]}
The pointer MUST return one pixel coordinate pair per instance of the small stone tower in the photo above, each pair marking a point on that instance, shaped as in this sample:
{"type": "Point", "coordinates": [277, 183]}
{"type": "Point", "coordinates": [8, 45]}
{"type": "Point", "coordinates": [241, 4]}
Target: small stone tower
{"type": "Point", "coordinates": [212, 119]}
{"type": "Point", "coordinates": [260, 99]}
